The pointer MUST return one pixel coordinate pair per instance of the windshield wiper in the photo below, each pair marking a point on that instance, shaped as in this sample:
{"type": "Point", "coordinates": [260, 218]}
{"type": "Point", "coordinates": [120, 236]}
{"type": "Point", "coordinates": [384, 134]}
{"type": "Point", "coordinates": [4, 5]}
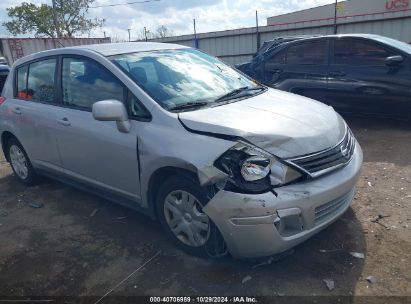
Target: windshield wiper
{"type": "Point", "coordinates": [189, 105]}
{"type": "Point", "coordinates": [235, 92]}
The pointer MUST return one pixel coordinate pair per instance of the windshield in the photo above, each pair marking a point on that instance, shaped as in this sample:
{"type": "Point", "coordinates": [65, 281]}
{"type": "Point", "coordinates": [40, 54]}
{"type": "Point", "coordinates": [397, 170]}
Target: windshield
{"type": "Point", "coordinates": [405, 47]}
{"type": "Point", "coordinates": [184, 76]}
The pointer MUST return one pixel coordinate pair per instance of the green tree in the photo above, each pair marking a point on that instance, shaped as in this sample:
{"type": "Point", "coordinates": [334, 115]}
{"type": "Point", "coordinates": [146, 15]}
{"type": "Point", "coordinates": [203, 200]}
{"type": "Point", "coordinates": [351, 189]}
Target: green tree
{"type": "Point", "coordinates": [68, 18]}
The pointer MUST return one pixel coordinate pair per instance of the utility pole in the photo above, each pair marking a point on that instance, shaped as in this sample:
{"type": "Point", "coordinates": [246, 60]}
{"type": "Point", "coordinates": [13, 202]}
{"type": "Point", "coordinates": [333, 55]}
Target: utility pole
{"type": "Point", "coordinates": [129, 34]}
{"type": "Point", "coordinates": [55, 22]}
{"type": "Point", "coordinates": [335, 18]}
{"type": "Point", "coordinates": [195, 34]}
{"type": "Point", "coordinates": [104, 34]}
{"type": "Point", "coordinates": [145, 33]}
{"type": "Point", "coordinates": [258, 33]}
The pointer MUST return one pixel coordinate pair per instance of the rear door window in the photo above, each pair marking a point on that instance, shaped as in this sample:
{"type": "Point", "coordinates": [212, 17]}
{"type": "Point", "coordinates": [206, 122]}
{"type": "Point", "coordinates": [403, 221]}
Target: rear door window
{"type": "Point", "coordinates": [85, 82]}
{"type": "Point", "coordinates": [307, 53]}
{"type": "Point", "coordinates": [359, 52]}
{"type": "Point", "coordinates": [41, 81]}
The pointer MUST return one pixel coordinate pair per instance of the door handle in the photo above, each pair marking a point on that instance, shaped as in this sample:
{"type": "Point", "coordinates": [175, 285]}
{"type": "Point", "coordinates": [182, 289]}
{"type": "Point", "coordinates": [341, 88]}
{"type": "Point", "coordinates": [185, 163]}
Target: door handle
{"type": "Point", "coordinates": [337, 74]}
{"type": "Point", "coordinates": [277, 71]}
{"type": "Point", "coordinates": [64, 121]}
{"type": "Point", "coordinates": [17, 111]}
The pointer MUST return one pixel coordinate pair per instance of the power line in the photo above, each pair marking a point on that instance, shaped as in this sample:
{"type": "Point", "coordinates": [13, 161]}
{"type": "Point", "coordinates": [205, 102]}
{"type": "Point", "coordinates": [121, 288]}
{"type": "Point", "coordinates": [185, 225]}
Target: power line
{"type": "Point", "coordinates": [126, 3]}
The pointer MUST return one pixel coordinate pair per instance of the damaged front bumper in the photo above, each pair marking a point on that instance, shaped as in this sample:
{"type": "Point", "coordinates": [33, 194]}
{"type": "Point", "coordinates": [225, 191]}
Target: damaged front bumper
{"type": "Point", "coordinates": [265, 224]}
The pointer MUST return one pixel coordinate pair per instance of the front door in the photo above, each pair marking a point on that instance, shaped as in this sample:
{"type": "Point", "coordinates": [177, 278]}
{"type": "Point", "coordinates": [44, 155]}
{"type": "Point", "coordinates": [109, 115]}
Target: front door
{"type": "Point", "coordinates": [360, 81]}
{"type": "Point", "coordinates": [95, 152]}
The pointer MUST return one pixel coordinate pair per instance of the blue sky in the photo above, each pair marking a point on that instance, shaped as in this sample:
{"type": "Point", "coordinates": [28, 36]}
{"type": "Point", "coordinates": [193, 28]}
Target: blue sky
{"type": "Point", "coordinates": [210, 15]}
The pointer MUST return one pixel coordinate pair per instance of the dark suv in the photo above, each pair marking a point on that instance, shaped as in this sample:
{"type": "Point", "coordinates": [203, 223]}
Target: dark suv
{"type": "Point", "coordinates": [4, 71]}
{"type": "Point", "coordinates": [355, 73]}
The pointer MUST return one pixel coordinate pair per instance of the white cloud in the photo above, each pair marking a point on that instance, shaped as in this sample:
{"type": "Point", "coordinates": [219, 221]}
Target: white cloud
{"type": "Point", "coordinates": [178, 15]}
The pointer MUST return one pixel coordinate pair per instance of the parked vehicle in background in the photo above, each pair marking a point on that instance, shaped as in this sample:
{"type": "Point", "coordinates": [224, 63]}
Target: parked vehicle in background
{"type": "Point", "coordinates": [3, 61]}
{"type": "Point", "coordinates": [357, 73]}
{"type": "Point", "coordinates": [221, 162]}
{"type": "Point", "coordinates": [4, 72]}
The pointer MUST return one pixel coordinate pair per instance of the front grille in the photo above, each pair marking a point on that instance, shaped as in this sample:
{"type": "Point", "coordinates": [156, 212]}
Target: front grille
{"type": "Point", "coordinates": [327, 210]}
{"type": "Point", "coordinates": [325, 161]}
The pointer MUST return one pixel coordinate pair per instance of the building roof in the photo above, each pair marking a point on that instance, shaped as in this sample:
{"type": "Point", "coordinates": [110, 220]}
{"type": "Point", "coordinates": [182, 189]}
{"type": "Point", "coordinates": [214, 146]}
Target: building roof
{"type": "Point", "coordinates": [108, 49]}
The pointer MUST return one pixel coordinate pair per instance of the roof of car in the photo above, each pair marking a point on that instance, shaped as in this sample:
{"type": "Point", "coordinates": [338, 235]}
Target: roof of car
{"type": "Point", "coordinates": [324, 36]}
{"type": "Point", "coordinates": [104, 49]}
{"type": "Point", "coordinates": [108, 49]}
{"type": "Point", "coordinates": [281, 40]}
{"type": "Point", "coordinates": [356, 35]}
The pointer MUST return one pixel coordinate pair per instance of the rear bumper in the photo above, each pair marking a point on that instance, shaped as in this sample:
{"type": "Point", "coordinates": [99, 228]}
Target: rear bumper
{"type": "Point", "coordinates": [265, 224]}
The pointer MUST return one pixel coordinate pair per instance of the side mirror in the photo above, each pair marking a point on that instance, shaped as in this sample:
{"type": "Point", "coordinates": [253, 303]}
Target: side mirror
{"type": "Point", "coordinates": [394, 60]}
{"type": "Point", "coordinates": [112, 110]}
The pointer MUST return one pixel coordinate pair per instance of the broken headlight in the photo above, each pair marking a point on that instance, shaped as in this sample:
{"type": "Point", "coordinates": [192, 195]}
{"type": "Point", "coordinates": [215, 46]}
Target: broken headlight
{"type": "Point", "coordinates": [253, 170]}
{"type": "Point", "coordinates": [255, 167]}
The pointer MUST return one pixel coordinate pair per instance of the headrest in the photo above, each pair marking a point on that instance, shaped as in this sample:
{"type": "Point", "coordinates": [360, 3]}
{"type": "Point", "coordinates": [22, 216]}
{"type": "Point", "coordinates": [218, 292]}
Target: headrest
{"type": "Point", "coordinates": [139, 75]}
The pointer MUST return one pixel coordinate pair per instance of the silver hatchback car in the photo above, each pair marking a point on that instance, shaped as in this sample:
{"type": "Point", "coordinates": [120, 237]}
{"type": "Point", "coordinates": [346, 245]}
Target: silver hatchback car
{"type": "Point", "coordinates": [224, 163]}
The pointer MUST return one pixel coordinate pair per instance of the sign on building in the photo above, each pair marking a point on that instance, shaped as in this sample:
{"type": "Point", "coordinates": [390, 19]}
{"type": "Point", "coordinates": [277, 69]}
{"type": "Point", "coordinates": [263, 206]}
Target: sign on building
{"type": "Point", "coordinates": [392, 5]}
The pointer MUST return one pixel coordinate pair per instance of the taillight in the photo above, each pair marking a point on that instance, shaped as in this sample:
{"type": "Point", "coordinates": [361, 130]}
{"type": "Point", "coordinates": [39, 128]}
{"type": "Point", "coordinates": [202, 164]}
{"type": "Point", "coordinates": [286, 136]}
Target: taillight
{"type": "Point", "coordinates": [2, 100]}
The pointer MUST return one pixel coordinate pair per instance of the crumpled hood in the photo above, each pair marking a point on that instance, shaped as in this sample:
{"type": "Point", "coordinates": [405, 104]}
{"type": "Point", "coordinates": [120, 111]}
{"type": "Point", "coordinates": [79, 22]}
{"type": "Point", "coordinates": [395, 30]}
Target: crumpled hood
{"type": "Point", "coordinates": [284, 124]}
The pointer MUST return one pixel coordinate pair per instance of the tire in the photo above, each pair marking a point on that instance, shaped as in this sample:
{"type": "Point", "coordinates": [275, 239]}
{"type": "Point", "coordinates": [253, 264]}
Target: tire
{"type": "Point", "coordinates": [20, 163]}
{"type": "Point", "coordinates": [179, 206]}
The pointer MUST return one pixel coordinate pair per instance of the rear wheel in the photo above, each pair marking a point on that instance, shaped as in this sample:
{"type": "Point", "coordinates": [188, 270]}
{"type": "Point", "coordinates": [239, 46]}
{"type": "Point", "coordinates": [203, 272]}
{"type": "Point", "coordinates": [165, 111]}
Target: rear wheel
{"type": "Point", "coordinates": [20, 163]}
{"type": "Point", "coordinates": [180, 203]}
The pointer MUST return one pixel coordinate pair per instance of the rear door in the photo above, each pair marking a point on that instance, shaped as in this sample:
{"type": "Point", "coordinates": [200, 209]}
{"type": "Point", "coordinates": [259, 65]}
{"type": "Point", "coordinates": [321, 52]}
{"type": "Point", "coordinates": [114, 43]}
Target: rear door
{"type": "Point", "coordinates": [96, 152]}
{"type": "Point", "coordinates": [300, 68]}
{"type": "Point", "coordinates": [35, 104]}
{"type": "Point", "coordinates": [360, 81]}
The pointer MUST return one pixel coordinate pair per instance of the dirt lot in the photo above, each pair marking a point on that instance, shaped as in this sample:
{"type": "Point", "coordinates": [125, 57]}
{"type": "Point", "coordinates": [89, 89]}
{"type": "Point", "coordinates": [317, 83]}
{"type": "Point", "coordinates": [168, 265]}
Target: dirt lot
{"type": "Point", "coordinates": [79, 244]}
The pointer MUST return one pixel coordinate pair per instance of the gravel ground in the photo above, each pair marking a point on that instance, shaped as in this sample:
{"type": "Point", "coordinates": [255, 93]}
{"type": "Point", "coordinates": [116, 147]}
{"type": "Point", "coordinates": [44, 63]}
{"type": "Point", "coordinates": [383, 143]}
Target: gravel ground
{"type": "Point", "coordinates": [79, 244]}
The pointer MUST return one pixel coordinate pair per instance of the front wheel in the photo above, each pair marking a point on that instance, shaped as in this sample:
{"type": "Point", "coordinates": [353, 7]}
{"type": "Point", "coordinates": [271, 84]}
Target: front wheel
{"type": "Point", "coordinates": [179, 205]}
{"type": "Point", "coordinates": [20, 163]}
